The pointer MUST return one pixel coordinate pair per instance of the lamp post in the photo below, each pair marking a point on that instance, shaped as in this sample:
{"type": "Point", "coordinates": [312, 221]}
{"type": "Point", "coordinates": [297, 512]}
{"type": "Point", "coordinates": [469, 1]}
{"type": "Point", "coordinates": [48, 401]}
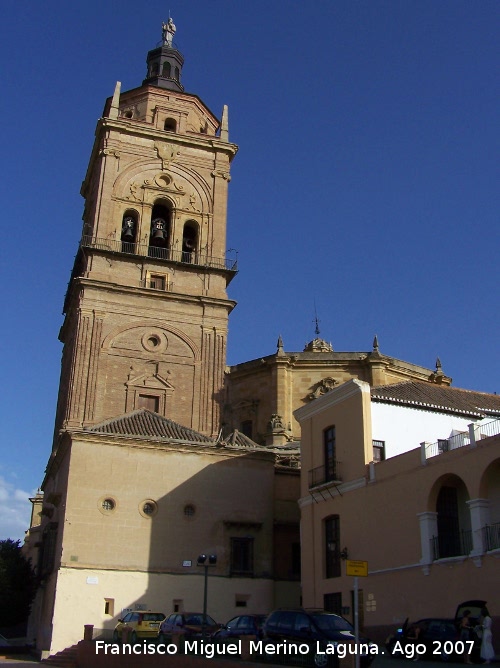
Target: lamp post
{"type": "Point", "coordinates": [205, 561]}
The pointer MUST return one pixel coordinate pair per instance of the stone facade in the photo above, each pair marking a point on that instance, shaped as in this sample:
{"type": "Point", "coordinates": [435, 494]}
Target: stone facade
{"type": "Point", "coordinates": [147, 307]}
{"type": "Point", "coordinates": [139, 482]}
{"type": "Point", "coordinates": [281, 383]}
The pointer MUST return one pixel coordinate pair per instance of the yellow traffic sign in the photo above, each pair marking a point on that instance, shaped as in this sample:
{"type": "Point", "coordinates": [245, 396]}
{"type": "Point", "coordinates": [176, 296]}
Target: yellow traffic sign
{"type": "Point", "coordinates": [357, 568]}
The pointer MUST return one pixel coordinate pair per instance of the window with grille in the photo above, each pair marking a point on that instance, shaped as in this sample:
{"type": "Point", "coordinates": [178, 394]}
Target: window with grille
{"type": "Point", "coordinates": [378, 451]}
{"type": "Point", "coordinates": [329, 451]}
{"type": "Point", "coordinates": [157, 282]}
{"type": "Point", "coordinates": [242, 556]}
{"type": "Point", "coordinates": [332, 547]}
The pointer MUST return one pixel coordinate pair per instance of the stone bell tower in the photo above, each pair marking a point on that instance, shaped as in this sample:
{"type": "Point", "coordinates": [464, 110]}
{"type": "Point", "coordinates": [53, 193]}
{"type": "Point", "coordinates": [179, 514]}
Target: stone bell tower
{"type": "Point", "coordinates": [146, 310]}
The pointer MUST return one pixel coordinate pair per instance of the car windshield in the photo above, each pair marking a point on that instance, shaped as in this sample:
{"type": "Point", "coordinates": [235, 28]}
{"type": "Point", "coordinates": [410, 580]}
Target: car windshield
{"type": "Point", "coordinates": [331, 622]}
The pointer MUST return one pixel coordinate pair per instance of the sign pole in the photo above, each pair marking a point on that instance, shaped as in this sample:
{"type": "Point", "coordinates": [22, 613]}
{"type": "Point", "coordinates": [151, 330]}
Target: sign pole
{"type": "Point", "coordinates": [356, 619]}
{"type": "Point", "coordinates": [356, 569]}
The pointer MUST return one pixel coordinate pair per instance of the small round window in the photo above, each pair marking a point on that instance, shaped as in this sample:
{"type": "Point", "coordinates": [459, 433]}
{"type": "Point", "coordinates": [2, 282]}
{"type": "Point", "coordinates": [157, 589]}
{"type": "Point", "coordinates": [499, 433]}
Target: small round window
{"type": "Point", "coordinates": [106, 505]}
{"type": "Point", "coordinates": [189, 510]}
{"type": "Point", "coordinates": [148, 508]}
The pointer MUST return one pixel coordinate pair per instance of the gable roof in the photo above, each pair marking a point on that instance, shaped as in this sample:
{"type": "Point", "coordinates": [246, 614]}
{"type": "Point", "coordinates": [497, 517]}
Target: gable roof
{"type": "Point", "coordinates": [439, 397]}
{"type": "Point", "coordinates": [146, 424]}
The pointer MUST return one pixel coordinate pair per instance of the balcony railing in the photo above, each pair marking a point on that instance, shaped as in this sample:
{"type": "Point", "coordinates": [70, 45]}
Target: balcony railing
{"type": "Point", "coordinates": [491, 535]}
{"type": "Point", "coordinates": [446, 444]}
{"type": "Point", "coordinates": [464, 438]}
{"type": "Point", "coordinates": [488, 429]}
{"type": "Point", "coordinates": [324, 474]}
{"type": "Point", "coordinates": [456, 544]}
{"type": "Point", "coordinates": [199, 259]}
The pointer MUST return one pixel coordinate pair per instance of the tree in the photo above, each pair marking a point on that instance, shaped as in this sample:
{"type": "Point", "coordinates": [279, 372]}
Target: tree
{"type": "Point", "coordinates": [17, 584]}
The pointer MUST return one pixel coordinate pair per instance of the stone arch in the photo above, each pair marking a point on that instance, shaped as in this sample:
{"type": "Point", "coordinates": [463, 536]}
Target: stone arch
{"type": "Point", "coordinates": [152, 324]}
{"type": "Point", "coordinates": [185, 182]}
{"type": "Point", "coordinates": [448, 498]}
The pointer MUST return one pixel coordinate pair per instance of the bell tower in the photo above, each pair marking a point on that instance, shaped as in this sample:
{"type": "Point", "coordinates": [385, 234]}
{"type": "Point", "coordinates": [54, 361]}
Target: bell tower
{"type": "Point", "coordinates": [146, 309]}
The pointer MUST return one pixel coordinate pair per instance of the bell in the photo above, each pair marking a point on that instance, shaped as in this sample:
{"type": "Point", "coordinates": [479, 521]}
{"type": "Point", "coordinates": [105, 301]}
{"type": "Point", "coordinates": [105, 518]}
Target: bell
{"type": "Point", "coordinates": [128, 229]}
{"type": "Point", "coordinates": [158, 233]}
{"type": "Point", "coordinates": [189, 244]}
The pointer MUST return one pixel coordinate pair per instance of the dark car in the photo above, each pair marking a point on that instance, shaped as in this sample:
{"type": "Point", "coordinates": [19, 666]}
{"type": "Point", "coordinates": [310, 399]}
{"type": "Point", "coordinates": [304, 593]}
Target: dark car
{"type": "Point", "coordinates": [436, 634]}
{"type": "Point", "coordinates": [187, 624]}
{"type": "Point", "coordinates": [328, 635]}
{"type": "Point", "coordinates": [243, 625]}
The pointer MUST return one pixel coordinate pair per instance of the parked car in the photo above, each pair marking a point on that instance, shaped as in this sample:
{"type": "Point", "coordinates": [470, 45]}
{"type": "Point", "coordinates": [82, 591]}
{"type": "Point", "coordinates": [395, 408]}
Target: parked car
{"type": "Point", "coordinates": [243, 625]}
{"type": "Point", "coordinates": [319, 629]}
{"type": "Point", "coordinates": [433, 633]}
{"type": "Point", "coordinates": [187, 624]}
{"type": "Point", "coordinates": [138, 624]}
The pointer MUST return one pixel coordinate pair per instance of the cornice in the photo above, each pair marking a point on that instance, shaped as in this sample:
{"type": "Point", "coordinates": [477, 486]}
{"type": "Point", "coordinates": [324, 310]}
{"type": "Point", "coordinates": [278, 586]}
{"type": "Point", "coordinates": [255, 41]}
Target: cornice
{"type": "Point", "coordinates": [158, 294]}
{"type": "Point", "coordinates": [331, 398]}
{"type": "Point", "coordinates": [145, 128]}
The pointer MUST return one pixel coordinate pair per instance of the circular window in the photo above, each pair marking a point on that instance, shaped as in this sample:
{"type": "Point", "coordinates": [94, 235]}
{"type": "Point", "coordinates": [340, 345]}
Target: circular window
{"type": "Point", "coordinates": [189, 510]}
{"type": "Point", "coordinates": [154, 340]}
{"type": "Point", "coordinates": [148, 508]}
{"type": "Point", "coordinates": [106, 505]}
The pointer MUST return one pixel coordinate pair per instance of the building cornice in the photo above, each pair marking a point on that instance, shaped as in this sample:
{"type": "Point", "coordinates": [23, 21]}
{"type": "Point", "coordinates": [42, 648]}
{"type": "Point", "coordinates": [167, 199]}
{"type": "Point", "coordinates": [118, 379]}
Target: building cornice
{"type": "Point", "coordinates": [331, 398]}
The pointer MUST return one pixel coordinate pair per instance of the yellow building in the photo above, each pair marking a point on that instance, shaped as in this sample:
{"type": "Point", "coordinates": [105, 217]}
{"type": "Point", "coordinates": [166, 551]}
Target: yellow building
{"type": "Point", "coordinates": [407, 478]}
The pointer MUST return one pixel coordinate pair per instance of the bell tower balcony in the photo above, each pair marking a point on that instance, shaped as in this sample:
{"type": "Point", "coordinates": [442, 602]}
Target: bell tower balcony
{"type": "Point", "coordinates": [227, 264]}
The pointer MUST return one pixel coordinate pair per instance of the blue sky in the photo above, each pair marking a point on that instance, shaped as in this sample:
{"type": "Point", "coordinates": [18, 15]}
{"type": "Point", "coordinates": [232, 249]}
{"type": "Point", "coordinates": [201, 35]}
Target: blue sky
{"type": "Point", "coordinates": [366, 184]}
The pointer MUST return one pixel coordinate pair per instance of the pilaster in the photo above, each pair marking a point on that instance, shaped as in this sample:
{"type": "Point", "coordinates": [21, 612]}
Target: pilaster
{"type": "Point", "coordinates": [428, 530]}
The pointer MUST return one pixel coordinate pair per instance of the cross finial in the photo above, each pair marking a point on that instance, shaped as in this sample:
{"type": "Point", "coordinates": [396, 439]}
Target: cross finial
{"type": "Point", "coordinates": [316, 321]}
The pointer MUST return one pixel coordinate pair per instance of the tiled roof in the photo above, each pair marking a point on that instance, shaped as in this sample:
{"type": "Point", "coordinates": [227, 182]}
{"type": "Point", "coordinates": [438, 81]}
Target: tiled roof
{"type": "Point", "coordinates": [430, 395]}
{"type": "Point", "coordinates": [239, 439]}
{"type": "Point", "coordinates": [146, 424]}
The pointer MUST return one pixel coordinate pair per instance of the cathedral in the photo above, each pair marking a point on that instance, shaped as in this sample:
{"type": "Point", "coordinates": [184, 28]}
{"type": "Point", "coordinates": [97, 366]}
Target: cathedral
{"type": "Point", "coordinates": [161, 452]}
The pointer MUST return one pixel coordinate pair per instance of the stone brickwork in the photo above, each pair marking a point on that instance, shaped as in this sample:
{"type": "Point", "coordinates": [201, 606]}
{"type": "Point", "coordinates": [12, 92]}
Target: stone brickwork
{"type": "Point", "coordinates": [145, 322]}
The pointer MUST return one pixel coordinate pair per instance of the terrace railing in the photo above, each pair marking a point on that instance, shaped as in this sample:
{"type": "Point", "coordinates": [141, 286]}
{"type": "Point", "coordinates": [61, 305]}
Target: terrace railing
{"type": "Point", "coordinates": [198, 258]}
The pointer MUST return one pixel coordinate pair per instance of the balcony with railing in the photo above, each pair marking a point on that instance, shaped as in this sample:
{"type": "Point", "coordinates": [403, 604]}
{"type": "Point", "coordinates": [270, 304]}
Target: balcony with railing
{"type": "Point", "coordinates": [475, 433]}
{"type": "Point", "coordinates": [456, 544]}
{"type": "Point", "coordinates": [491, 536]}
{"type": "Point", "coordinates": [199, 259]}
{"type": "Point", "coordinates": [322, 475]}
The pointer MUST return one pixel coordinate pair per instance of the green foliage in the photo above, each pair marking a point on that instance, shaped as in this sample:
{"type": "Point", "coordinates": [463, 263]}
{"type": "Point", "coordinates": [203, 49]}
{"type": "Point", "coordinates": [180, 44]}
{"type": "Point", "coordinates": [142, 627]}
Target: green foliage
{"type": "Point", "coordinates": [17, 584]}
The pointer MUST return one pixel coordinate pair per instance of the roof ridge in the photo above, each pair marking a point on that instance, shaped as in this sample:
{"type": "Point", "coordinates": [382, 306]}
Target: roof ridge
{"type": "Point", "coordinates": [142, 422]}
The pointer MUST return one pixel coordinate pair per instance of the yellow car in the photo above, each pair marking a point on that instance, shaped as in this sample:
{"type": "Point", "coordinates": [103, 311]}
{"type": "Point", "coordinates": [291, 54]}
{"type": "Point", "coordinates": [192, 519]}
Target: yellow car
{"type": "Point", "coordinates": [138, 624]}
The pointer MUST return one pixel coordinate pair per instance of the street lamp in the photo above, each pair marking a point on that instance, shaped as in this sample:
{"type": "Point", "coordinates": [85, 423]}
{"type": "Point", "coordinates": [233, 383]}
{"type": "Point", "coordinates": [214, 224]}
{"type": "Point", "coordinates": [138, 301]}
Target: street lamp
{"type": "Point", "coordinates": [206, 562]}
